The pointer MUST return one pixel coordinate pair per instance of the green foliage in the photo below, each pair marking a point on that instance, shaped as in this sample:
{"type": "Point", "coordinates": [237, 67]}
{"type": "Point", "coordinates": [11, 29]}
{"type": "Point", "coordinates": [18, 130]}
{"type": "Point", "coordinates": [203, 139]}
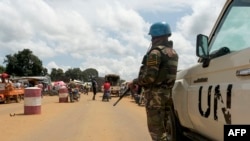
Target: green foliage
{"type": "Point", "coordinates": [2, 69]}
{"type": "Point", "coordinates": [45, 71]}
{"type": "Point", "coordinates": [24, 63]}
{"type": "Point", "coordinates": [57, 74]}
{"type": "Point", "coordinates": [90, 73]}
{"type": "Point", "coordinates": [77, 74]}
{"type": "Point", "coordinates": [73, 74]}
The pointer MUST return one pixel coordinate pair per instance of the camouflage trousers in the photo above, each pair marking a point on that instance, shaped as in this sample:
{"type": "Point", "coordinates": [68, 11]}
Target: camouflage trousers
{"type": "Point", "coordinates": [157, 100]}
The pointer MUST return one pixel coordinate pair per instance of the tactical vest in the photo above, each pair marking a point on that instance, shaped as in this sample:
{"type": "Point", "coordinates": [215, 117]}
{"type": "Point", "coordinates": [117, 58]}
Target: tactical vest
{"type": "Point", "coordinates": [167, 68]}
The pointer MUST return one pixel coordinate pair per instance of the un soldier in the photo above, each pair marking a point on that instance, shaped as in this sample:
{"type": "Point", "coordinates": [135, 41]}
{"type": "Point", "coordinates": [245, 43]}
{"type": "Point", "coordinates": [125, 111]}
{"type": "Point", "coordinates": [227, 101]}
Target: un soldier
{"type": "Point", "coordinates": [157, 76]}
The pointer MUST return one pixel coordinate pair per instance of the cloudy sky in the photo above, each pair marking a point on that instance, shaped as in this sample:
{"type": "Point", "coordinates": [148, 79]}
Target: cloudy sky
{"type": "Point", "coordinates": [108, 35]}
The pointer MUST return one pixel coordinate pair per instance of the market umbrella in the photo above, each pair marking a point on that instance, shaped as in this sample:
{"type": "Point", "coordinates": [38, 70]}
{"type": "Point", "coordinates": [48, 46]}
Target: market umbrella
{"type": "Point", "coordinates": [4, 75]}
{"type": "Point", "coordinates": [59, 83]}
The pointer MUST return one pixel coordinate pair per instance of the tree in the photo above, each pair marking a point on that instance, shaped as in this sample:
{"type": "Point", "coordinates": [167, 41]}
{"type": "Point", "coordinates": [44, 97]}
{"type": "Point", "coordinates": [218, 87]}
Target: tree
{"type": "Point", "coordinates": [90, 73]}
{"type": "Point", "coordinates": [45, 71]}
{"type": "Point", "coordinates": [2, 69]}
{"type": "Point", "coordinates": [57, 74]}
{"type": "Point", "coordinates": [74, 74]}
{"type": "Point", "coordinates": [24, 63]}
{"type": "Point", "coordinates": [77, 74]}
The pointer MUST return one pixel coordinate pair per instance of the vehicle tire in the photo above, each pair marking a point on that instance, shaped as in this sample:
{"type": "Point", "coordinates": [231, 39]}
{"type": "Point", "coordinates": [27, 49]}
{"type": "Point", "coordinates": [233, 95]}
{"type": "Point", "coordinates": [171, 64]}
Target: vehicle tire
{"type": "Point", "coordinates": [22, 96]}
{"type": "Point", "coordinates": [17, 98]}
{"type": "Point", "coordinates": [7, 101]}
{"type": "Point", "coordinates": [173, 127]}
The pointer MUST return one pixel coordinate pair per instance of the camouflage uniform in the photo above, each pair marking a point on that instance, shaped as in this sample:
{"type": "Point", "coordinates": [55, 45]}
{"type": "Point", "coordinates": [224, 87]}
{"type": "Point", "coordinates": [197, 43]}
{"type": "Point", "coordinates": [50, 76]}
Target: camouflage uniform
{"type": "Point", "coordinates": [157, 76]}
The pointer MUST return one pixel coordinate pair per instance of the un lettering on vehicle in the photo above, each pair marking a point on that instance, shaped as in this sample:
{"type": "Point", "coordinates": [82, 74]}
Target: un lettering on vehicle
{"type": "Point", "coordinates": [214, 102]}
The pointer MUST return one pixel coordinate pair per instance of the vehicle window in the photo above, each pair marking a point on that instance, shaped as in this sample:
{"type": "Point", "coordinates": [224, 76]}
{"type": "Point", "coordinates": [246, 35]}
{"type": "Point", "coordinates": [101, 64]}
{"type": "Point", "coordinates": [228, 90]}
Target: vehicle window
{"type": "Point", "coordinates": [233, 32]}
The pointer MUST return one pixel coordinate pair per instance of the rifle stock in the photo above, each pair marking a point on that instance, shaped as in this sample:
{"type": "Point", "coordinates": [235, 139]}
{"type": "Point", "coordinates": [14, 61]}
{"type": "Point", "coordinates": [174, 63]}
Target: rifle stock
{"type": "Point", "coordinates": [124, 93]}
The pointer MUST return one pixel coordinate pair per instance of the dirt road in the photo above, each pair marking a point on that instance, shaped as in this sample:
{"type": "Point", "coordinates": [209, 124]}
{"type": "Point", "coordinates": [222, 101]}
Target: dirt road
{"type": "Point", "coordinates": [86, 120]}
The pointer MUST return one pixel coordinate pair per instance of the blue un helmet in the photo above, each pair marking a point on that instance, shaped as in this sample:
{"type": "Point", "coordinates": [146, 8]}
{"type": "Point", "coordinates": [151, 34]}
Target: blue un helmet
{"type": "Point", "coordinates": [160, 29]}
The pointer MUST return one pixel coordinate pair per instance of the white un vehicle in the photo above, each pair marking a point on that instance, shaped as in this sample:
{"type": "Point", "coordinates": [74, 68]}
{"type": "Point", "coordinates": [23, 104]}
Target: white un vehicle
{"type": "Point", "coordinates": [216, 91]}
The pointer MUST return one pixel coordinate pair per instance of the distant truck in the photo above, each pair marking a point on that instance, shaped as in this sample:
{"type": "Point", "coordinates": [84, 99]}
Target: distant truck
{"type": "Point", "coordinates": [8, 92]}
{"type": "Point", "coordinates": [114, 80]}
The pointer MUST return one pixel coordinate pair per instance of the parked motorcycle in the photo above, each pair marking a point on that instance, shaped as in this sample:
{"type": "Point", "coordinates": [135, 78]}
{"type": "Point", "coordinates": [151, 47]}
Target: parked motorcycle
{"type": "Point", "coordinates": [74, 95]}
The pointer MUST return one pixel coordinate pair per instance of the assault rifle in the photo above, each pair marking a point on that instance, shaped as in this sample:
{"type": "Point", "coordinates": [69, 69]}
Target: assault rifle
{"type": "Point", "coordinates": [121, 96]}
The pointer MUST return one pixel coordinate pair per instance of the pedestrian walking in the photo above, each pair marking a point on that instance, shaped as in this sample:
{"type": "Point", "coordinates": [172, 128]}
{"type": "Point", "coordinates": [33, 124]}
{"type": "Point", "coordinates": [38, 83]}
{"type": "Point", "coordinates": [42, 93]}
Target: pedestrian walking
{"type": "Point", "coordinates": [106, 93]}
{"type": "Point", "coordinates": [94, 88]}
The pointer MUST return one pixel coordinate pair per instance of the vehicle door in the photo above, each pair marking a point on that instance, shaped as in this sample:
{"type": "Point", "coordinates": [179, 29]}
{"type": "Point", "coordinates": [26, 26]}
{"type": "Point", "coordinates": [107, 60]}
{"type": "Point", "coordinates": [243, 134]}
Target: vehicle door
{"type": "Point", "coordinates": [220, 85]}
